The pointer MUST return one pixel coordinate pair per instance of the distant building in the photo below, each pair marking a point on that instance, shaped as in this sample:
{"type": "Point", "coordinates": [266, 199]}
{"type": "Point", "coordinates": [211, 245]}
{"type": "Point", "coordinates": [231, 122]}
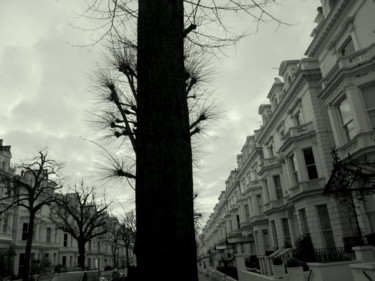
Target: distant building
{"type": "Point", "coordinates": [49, 242]}
{"type": "Point", "coordinates": [326, 100]}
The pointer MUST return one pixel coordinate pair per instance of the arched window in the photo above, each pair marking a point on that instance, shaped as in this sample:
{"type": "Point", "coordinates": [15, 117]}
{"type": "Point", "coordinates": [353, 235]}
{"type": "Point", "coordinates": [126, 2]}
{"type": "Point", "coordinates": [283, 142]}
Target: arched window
{"type": "Point", "coordinates": [3, 165]}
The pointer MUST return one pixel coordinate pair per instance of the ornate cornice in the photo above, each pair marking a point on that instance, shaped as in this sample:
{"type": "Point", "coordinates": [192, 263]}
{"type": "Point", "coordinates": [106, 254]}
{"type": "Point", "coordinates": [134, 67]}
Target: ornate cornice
{"type": "Point", "coordinates": [323, 30]}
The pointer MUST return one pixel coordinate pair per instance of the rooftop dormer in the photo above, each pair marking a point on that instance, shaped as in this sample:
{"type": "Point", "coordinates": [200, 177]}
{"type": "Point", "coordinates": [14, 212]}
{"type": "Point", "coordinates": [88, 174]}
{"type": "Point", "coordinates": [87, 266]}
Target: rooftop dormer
{"type": "Point", "coordinates": [287, 70]}
{"type": "Point", "coordinates": [328, 6]}
{"type": "Point", "coordinates": [232, 178]}
{"type": "Point", "coordinates": [265, 110]}
{"type": "Point", "coordinates": [5, 156]}
{"type": "Point", "coordinates": [276, 93]}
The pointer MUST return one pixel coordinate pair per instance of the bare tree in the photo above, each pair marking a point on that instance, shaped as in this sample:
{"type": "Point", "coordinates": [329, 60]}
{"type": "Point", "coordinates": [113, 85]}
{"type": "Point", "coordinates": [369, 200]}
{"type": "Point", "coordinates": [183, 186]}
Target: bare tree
{"type": "Point", "coordinates": [31, 190]}
{"type": "Point", "coordinates": [113, 237]}
{"type": "Point", "coordinates": [128, 234]}
{"type": "Point", "coordinates": [79, 214]}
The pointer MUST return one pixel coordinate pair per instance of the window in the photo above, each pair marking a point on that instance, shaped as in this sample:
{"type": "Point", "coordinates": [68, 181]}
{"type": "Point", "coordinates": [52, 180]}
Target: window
{"type": "Point", "coordinates": [368, 94]}
{"type": "Point", "coordinates": [347, 48]}
{"type": "Point", "coordinates": [65, 239]}
{"type": "Point", "coordinates": [274, 235]}
{"type": "Point", "coordinates": [287, 238]}
{"type": "Point", "coordinates": [266, 240]}
{"type": "Point", "coordinates": [293, 169]}
{"type": "Point", "coordinates": [346, 119]}
{"type": "Point", "coordinates": [267, 193]}
{"type": "Point", "coordinates": [98, 246]}
{"type": "Point", "coordinates": [25, 230]}
{"type": "Point", "coordinates": [256, 242]}
{"type": "Point", "coordinates": [64, 260]}
{"type": "Point", "coordinates": [325, 226]}
{"type": "Point", "coordinates": [21, 262]}
{"type": "Point", "coordinates": [48, 235]}
{"type": "Point", "coordinates": [238, 223]}
{"type": "Point", "coordinates": [5, 223]}
{"type": "Point", "coordinates": [270, 150]}
{"type": "Point", "coordinates": [247, 212]}
{"type": "Point", "coordinates": [310, 163]}
{"type": "Point", "coordinates": [278, 188]}
{"type": "Point", "coordinates": [304, 224]}
{"type": "Point", "coordinates": [260, 203]}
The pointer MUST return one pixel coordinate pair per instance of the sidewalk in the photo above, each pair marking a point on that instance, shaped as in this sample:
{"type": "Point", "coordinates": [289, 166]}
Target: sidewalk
{"type": "Point", "coordinates": [203, 277]}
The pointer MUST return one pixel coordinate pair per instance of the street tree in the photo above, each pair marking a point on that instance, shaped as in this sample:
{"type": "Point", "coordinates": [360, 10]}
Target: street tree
{"type": "Point", "coordinates": [128, 234]}
{"type": "Point", "coordinates": [31, 190]}
{"type": "Point", "coordinates": [81, 215]}
{"type": "Point", "coordinates": [113, 238]}
{"type": "Point", "coordinates": [164, 174]}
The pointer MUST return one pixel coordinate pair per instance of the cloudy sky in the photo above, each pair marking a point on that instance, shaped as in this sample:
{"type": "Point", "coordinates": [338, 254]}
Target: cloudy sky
{"type": "Point", "coordinates": [46, 90]}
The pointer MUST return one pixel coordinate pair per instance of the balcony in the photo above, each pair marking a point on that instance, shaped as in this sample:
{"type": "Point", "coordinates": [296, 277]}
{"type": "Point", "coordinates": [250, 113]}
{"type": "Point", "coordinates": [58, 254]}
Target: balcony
{"type": "Point", "coordinates": [268, 162]}
{"type": "Point", "coordinates": [358, 57]}
{"type": "Point", "coordinates": [275, 204]}
{"type": "Point", "coordinates": [359, 142]}
{"type": "Point", "coordinates": [306, 186]}
{"type": "Point", "coordinates": [298, 131]}
{"type": "Point", "coordinates": [257, 219]}
{"type": "Point", "coordinates": [245, 224]}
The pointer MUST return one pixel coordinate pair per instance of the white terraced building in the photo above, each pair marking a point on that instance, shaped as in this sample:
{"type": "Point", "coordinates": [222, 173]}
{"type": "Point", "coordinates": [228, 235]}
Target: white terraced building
{"type": "Point", "coordinates": [325, 100]}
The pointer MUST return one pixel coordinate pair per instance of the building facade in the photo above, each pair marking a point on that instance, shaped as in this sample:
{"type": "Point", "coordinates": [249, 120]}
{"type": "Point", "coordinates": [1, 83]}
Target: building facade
{"type": "Point", "coordinates": [323, 101]}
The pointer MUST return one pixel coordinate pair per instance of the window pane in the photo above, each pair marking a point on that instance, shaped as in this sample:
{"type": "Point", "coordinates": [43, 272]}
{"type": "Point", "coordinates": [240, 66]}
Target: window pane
{"type": "Point", "coordinates": [313, 173]}
{"type": "Point", "coordinates": [304, 223]}
{"type": "Point", "coordinates": [286, 230]}
{"type": "Point", "coordinates": [325, 223]}
{"type": "Point", "coordinates": [368, 94]}
{"type": "Point", "coordinates": [277, 181]}
{"type": "Point", "coordinates": [274, 234]}
{"type": "Point", "coordinates": [309, 156]}
{"type": "Point", "coordinates": [345, 111]}
{"type": "Point", "coordinates": [348, 48]}
{"type": "Point", "coordinates": [350, 129]}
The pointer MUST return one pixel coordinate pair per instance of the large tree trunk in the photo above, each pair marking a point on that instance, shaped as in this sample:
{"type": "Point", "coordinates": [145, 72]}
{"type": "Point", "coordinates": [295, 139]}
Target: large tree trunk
{"type": "Point", "coordinates": [164, 186]}
{"type": "Point", "coordinates": [29, 243]}
{"type": "Point", "coordinates": [81, 251]}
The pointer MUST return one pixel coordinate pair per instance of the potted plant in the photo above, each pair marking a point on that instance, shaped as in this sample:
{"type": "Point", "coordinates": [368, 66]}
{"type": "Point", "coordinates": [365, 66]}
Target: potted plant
{"type": "Point", "coordinates": [294, 269]}
{"type": "Point", "coordinates": [278, 268]}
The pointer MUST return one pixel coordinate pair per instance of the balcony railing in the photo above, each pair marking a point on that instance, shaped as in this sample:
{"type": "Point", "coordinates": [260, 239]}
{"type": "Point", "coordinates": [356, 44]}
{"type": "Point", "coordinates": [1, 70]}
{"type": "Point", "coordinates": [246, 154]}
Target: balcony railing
{"type": "Point", "coordinates": [306, 186]}
{"type": "Point", "coordinates": [357, 57]}
{"type": "Point", "coordinates": [245, 224]}
{"type": "Point", "coordinates": [256, 219]}
{"type": "Point", "coordinates": [273, 204]}
{"type": "Point", "coordinates": [360, 141]}
{"type": "Point", "coordinates": [298, 131]}
{"type": "Point", "coordinates": [270, 162]}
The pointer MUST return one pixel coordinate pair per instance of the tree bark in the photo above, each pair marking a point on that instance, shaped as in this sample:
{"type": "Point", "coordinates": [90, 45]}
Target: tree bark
{"type": "Point", "coordinates": [81, 251]}
{"type": "Point", "coordinates": [29, 244]}
{"type": "Point", "coordinates": [164, 186]}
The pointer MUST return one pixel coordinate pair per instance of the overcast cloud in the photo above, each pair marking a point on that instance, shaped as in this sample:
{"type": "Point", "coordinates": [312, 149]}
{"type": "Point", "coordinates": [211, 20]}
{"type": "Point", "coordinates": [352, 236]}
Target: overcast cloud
{"type": "Point", "coordinates": [45, 90]}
